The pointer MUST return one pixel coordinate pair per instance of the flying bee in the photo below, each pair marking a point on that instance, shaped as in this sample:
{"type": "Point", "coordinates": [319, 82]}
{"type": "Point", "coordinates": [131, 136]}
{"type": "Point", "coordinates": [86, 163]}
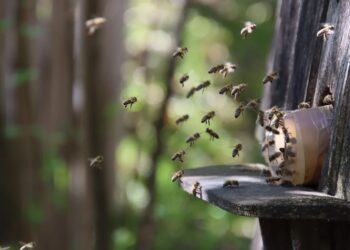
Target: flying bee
{"type": "Point", "coordinates": [183, 79]}
{"type": "Point", "coordinates": [253, 104]}
{"type": "Point", "coordinates": [270, 77]}
{"type": "Point", "coordinates": [237, 90]}
{"type": "Point", "coordinates": [213, 135]}
{"type": "Point", "coordinates": [236, 149]}
{"type": "Point", "coordinates": [326, 30]}
{"type": "Point", "coordinates": [228, 68]}
{"type": "Point", "coordinates": [197, 189]}
{"type": "Point", "coordinates": [273, 130]}
{"type": "Point", "coordinates": [178, 156]}
{"type": "Point", "coordinates": [287, 152]}
{"type": "Point", "coordinates": [182, 119]}
{"type": "Point", "coordinates": [328, 100]}
{"type": "Point", "coordinates": [267, 144]}
{"type": "Point", "coordinates": [191, 139]}
{"type": "Point", "coordinates": [203, 85]}
{"type": "Point", "coordinates": [239, 110]}
{"type": "Point", "coordinates": [177, 176]}
{"type": "Point", "coordinates": [248, 29]}
{"type": "Point", "coordinates": [191, 92]}
{"type": "Point", "coordinates": [130, 102]}
{"type": "Point", "coordinates": [206, 119]}
{"type": "Point", "coordinates": [287, 138]}
{"type": "Point", "coordinates": [216, 68]}
{"type": "Point", "coordinates": [273, 180]}
{"type": "Point", "coordinates": [30, 245]}
{"type": "Point", "coordinates": [230, 184]}
{"type": "Point", "coordinates": [94, 24]}
{"type": "Point", "coordinates": [180, 52]}
{"type": "Point", "coordinates": [261, 118]}
{"type": "Point", "coordinates": [274, 156]}
{"type": "Point", "coordinates": [96, 162]}
{"type": "Point", "coordinates": [225, 89]}
{"type": "Point", "coordinates": [304, 105]}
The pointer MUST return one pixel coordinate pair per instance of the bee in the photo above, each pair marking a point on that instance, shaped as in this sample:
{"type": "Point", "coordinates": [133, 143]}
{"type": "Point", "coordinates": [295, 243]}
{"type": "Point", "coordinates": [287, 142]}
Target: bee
{"type": "Point", "coordinates": [267, 144]}
{"type": "Point", "coordinates": [96, 162]}
{"type": "Point", "coordinates": [237, 90]}
{"type": "Point", "coordinates": [261, 118]}
{"type": "Point", "coordinates": [287, 152]}
{"type": "Point", "coordinates": [191, 92]}
{"type": "Point", "coordinates": [213, 135]}
{"type": "Point", "coordinates": [94, 24]}
{"type": "Point", "coordinates": [239, 110]}
{"type": "Point", "coordinates": [286, 134]}
{"type": "Point", "coordinates": [326, 30]}
{"type": "Point", "coordinates": [273, 180]}
{"type": "Point", "coordinates": [236, 149]}
{"type": "Point", "coordinates": [206, 119]}
{"type": "Point", "coordinates": [270, 77]}
{"type": "Point", "coordinates": [285, 163]}
{"type": "Point", "coordinates": [30, 245]}
{"type": "Point", "coordinates": [182, 119]}
{"type": "Point", "coordinates": [230, 184]}
{"type": "Point", "coordinates": [279, 121]}
{"type": "Point", "coordinates": [203, 85]}
{"type": "Point", "coordinates": [273, 111]}
{"type": "Point", "coordinates": [130, 102]}
{"type": "Point", "coordinates": [177, 176]}
{"type": "Point", "coordinates": [216, 68]}
{"type": "Point", "coordinates": [191, 139]}
{"type": "Point", "coordinates": [285, 172]}
{"type": "Point", "coordinates": [274, 156]}
{"type": "Point", "coordinates": [228, 68]}
{"type": "Point", "coordinates": [178, 156]}
{"type": "Point", "coordinates": [273, 130]}
{"type": "Point", "coordinates": [183, 79]}
{"type": "Point", "coordinates": [197, 189]}
{"type": "Point", "coordinates": [253, 104]}
{"type": "Point", "coordinates": [225, 89]}
{"type": "Point", "coordinates": [180, 52]}
{"type": "Point", "coordinates": [248, 29]}
{"type": "Point", "coordinates": [328, 100]}
{"type": "Point", "coordinates": [304, 105]}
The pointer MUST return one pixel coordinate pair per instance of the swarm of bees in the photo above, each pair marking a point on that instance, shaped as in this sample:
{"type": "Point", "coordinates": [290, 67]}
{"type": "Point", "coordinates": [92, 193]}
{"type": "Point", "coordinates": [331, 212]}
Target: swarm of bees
{"type": "Point", "coordinates": [94, 24]}
{"type": "Point", "coordinates": [248, 28]}
{"type": "Point", "coordinates": [326, 30]}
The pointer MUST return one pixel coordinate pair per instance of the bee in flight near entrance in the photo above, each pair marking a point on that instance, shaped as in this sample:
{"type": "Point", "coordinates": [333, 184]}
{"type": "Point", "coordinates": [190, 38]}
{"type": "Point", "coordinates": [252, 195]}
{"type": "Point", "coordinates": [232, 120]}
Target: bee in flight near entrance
{"type": "Point", "coordinates": [249, 27]}
{"type": "Point", "coordinates": [253, 104]}
{"type": "Point", "coordinates": [177, 176]}
{"type": "Point", "coordinates": [236, 149]}
{"type": "Point", "coordinates": [183, 79]}
{"type": "Point", "coordinates": [270, 77]}
{"type": "Point", "coordinates": [96, 162]}
{"type": "Point", "coordinates": [191, 92]}
{"type": "Point", "coordinates": [94, 24]}
{"type": "Point", "coordinates": [237, 90]}
{"type": "Point", "coordinates": [182, 119]}
{"type": "Point", "coordinates": [230, 184]}
{"type": "Point", "coordinates": [206, 119]}
{"type": "Point", "coordinates": [223, 69]}
{"type": "Point", "coordinates": [213, 135]}
{"type": "Point", "coordinates": [203, 86]}
{"type": "Point", "coordinates": [130, 102]}
{"type": "Point", "coordinates": [178, 156]}
{"type": "Point", "coordinates": [239, 110]}
{"type": "Point", "coordinates": [180, 52]}
{"type": "Point", "coordinates": [191, 139]}
{"type": "Point", "coordinates": [326, 30]}
{"type": "Point", "coordinates": [226, 89]}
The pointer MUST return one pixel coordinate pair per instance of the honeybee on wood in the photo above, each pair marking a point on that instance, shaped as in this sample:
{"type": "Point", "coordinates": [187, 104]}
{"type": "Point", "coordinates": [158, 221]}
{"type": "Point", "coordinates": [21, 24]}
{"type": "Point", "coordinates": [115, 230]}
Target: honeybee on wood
{"type": "Point", "coordinates": [267, 144]}
{"type": "Point", "coordinates": [216, 68]}
{"type": "Point", "coordinates": [191, 92]}
{"type": "Point", "coordinates": [237, 90]}
{"type": "Point", "coordinates": [206, 119]}
{"type": "Point", "coordinates": [182, 119]}
{"type": "Point", "coordinates": [285, 163]}
{"type": "Point", "coordinates": [180, 52]}
{"type": "Point", "coordinates": [261, 118]}
{"type": "Point", "coordinates": [253, 104]}
{"type": "Point", "coordinates": [30, 245]}
{"type": "Point", "coordinates": [273, 180]}
{"type": "Point", "coordinates": [203, 85]}
{"type": "Point", "coordinates": [197, 189]}
{"type": "Point", "coordinates": [225, 89]}
{"type": "Point", "coordinates": [270, 77]}
{"type": "Point", "coordinates": [328, 100]}
{"type": "Point", "coordinates": [96, 161]}
{"type": "Point", "coordinates": [326, 30]}
{"type": "Point", "coordinates": [191, 139]}
{"type": "Point", "coordinates": [273, 130]}
{"type": "Point", "coordinates": [304, 105]}
{"type": "Point", "coordinates": [230, 184]}
{"type": "Point", "coordinates": [213, 135]}
{"type": "Point", "coordinates": [183, 79]}
{"type": "Point", "coordinates": [248, 29]}
{"type": "Point", "coordinates": [94, 24]}
{"type": "Point", "coordinates": [130, 102]}
{"type": "Point", "coordinates": [236, 149]}
{"type": "Point", "coordinates": [274, 156]}
{"type": "Point", "coordinates": [177, 176]}
{"type": "Point", "coordinates": [286, 134]}
{"type": "Point", "coordinates": [228, 68]}
{"type": "Point", "coordinates": [239, 110]}
{"type": "Point", "coordinates": [279, 121]}
{"type": "Point", "coordinates": [273, 111]}
{"type": "Point", "coordinates": [285, 172]}
{"type": "Point", "coordinates": [178, 156]}
{"type": "Point", "coordinates": [287, 152]}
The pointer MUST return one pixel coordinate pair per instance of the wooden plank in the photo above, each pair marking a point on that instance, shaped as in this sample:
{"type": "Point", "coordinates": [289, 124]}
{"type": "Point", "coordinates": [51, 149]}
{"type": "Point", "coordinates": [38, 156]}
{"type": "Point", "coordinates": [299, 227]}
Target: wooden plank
{"type": "Point", "coordinates": [254, 197]}
{"type": "Point", "coordinates": [275, 234]}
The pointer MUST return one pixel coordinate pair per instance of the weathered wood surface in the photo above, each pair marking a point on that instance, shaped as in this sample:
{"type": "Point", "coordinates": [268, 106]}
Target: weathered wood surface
{"type": "Point", "coordinates": [254, 197]}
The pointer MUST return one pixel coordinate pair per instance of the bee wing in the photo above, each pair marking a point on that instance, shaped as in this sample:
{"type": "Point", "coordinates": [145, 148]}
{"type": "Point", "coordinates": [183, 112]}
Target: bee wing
{"type": "Point", "coordinates": [244, 30]}
{"type": "Point", "coordinates": [320, 32]}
